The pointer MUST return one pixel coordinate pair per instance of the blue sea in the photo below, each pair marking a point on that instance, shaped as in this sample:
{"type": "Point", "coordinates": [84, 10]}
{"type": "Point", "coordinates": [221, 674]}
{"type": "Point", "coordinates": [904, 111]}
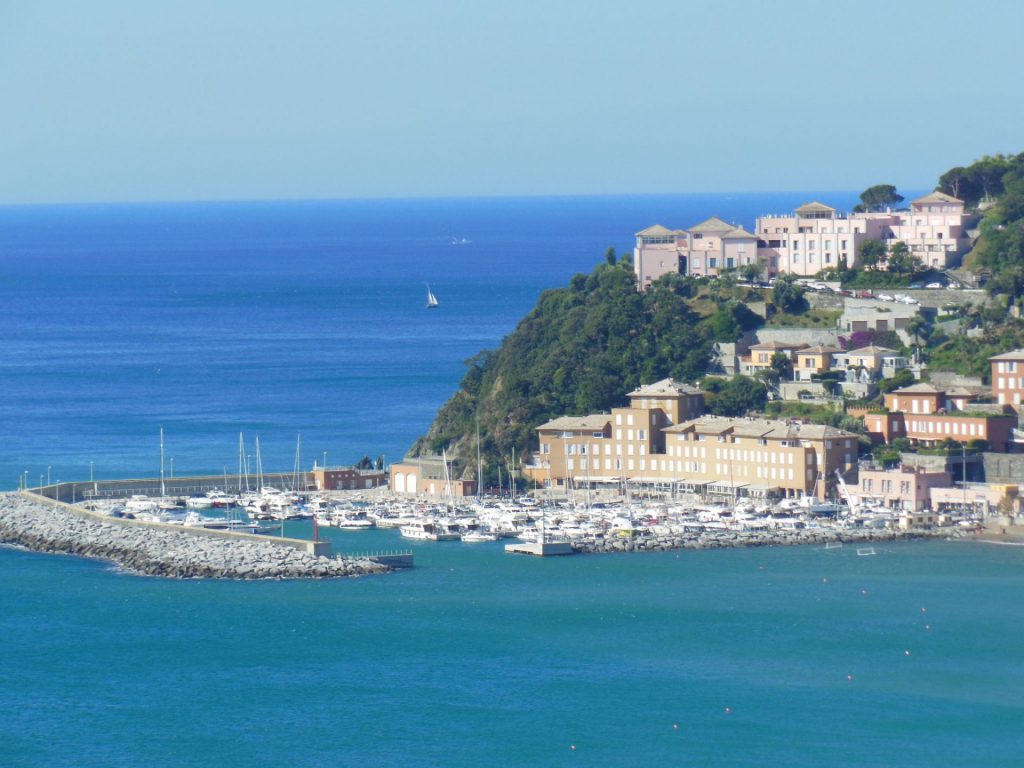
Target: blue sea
{"type": "Point", "coordinates": [280, 319]}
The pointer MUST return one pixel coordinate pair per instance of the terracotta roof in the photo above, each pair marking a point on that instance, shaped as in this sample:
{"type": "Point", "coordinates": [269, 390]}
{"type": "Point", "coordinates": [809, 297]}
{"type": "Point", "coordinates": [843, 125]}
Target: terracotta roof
{"type": "Point", "coordinates": [1016, 354]}
{"type": "Point", "coordinates": [714, 225]}
{"type": "Point", "coordinates": [938, 197]}
{"type": "Point", "coordinates": [819, 349]}
{"type": "Point", "coordinates": [871, 349]}
{"type": "Point", "coordinates": [774, 428]}
{"type": "Point", "coordinates": [921, 388]}
{"type": "Point", "coordinates": [662, 388]}
{"type": "Point", "coordinates": [590, 423]}
{"type": "Point", "coordinates": [779, 345]}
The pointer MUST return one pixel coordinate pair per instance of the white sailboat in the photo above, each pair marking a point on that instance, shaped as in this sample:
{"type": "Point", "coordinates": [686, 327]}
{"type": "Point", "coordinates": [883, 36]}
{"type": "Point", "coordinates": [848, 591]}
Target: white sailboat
{"type": "Point", "coordinates": [432, 301]}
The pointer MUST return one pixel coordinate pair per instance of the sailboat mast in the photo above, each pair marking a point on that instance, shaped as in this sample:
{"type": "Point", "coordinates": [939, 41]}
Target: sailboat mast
{"type": "Point", "coordinates": [242, 470]}
{"type": "Point", "coordinates": [259, 465]}
{"type": "Point", "coordinates": [163, 487]}
{"type": "Point", "coordinates": [479, 467]}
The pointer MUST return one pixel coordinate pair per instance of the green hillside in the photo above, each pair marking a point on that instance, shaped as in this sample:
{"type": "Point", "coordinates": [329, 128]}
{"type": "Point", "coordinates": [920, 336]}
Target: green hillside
{"type": "Point", "coordinates": [579, 351]}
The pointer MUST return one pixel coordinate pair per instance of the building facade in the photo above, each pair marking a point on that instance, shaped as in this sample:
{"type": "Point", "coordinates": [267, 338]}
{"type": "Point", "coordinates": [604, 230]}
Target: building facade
{"type": "Point", "coordinates": [660, 438]}
{"type": "Point", "coordinates": [1008, 379]}
{"type": "Point", "coordinates": [908, 488]}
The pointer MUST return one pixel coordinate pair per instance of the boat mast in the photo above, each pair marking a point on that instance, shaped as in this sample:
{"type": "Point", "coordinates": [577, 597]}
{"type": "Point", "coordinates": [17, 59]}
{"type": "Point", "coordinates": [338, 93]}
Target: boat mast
{"type": "Point", "coordinates": [479, 467]}
{"type": "Point", "coordinates": [298, 462]}
{"type": "Point", "coordinates": [243, 471]}
{"type": "Point", "coordinates": [259, 466]}
{"type": "Point", "coordinates": [163, 486]}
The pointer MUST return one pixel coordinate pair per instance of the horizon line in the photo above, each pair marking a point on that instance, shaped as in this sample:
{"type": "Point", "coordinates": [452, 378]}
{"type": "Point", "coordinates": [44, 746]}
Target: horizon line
{"type": "Point", "coordinates": [412, 198]}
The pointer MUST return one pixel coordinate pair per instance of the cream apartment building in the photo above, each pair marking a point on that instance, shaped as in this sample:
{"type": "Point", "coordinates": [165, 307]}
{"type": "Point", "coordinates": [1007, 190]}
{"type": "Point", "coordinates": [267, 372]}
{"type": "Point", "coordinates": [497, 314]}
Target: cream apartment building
{"type": "Point", "coordinates": [659, 439]}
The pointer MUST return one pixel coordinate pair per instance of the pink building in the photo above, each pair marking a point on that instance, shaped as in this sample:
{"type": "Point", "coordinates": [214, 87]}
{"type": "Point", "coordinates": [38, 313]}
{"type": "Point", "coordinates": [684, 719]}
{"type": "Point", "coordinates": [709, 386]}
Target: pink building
{"type": "Point", "coordinates": [903, 488]}
{"type": "Point", "coordinates": [658, 251]}
{"type": "Point", "coordinates": [935, 230]}
{"type": "Point", "coordinates": [1008, 379]}
{"type": "Point", "coordinates": [716, 245]}
{"type": "Point", "coordinates": [814, 238]}
{"type": "Point", "coordinates": [705, 250]}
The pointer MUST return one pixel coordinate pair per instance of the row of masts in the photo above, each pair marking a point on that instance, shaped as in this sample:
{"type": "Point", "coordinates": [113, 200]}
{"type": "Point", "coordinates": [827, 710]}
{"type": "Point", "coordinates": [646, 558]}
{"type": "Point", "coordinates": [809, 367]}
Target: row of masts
{"type": "Point", "coordinates": [244, 467]}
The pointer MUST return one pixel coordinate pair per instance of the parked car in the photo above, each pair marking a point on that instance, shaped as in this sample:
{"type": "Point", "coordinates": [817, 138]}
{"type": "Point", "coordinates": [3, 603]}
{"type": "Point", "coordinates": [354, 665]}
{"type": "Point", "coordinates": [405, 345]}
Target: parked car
{"type": "Point", "coordinates": [934, 285]}
{"type": "Point", "coordinates": [884, 297]}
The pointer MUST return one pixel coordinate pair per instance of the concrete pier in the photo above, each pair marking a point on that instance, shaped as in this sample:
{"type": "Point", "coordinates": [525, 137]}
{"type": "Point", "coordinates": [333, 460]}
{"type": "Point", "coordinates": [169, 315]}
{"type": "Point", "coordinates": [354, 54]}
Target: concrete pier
{"type": "Point", "coordinates": [547, 549]}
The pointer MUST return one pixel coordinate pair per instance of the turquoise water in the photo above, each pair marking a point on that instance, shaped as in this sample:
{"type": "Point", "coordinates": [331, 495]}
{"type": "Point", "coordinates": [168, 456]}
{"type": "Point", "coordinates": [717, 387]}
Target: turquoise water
{"type": "Point", "coordinates": [481, 658]}
{"type": "Point", "coordinates": [275, 319]}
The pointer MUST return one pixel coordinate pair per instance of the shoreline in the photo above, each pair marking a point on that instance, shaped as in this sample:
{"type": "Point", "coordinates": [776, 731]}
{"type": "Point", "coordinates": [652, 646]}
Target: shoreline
{"type": "Point", "coordinates": [177, 554]}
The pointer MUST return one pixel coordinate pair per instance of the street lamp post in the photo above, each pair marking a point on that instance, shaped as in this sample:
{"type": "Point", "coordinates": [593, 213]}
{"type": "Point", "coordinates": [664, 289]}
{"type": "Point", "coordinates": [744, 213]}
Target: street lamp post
{"type": "Point", "coordinates": [325, 459]}
{"type": "Point", "coordinates": [48, 474]}
{"type": "Point", "coordinates": [90, 471]}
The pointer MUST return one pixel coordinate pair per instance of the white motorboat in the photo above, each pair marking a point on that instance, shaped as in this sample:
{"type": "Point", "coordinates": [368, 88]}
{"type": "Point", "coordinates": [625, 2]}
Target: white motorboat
{"type": "Point", "coordinates": [429, 531]}
{"type": "Point", "coordinates": [473, 537]}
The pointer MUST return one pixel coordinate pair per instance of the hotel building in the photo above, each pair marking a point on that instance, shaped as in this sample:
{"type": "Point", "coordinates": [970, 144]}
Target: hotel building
{"type": "Point", "coordinates": [814, 237]}
{"type": "Point", "coordinates": [660, 438]}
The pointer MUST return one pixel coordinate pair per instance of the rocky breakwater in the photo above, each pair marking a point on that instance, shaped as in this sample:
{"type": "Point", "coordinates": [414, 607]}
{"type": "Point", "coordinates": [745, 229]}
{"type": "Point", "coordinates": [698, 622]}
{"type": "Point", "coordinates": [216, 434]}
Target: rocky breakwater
{"type": "Point", "coordinates": [159, 551]}
{"type": "Point", "coordinates": [715, 539]}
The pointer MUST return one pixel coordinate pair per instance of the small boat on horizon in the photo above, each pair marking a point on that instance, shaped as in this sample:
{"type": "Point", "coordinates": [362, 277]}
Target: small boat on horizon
{"type": "Point", "coordinates": [432, 301]}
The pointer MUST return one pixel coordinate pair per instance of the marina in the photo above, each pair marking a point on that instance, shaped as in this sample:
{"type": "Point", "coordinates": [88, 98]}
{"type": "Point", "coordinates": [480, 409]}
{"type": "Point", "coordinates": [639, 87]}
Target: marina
{"type": "Point", "coordinates": [538, 525]}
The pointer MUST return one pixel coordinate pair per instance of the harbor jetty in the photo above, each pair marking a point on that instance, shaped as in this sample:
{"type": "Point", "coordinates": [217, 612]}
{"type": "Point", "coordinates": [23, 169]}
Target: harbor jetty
{"type": "Point", "coordinates": [161, 550]}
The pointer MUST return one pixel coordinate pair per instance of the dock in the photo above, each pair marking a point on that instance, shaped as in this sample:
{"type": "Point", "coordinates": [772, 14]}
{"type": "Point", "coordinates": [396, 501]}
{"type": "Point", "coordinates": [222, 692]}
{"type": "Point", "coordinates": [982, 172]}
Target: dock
{"type": "Point", "coordinates": [541, 549]}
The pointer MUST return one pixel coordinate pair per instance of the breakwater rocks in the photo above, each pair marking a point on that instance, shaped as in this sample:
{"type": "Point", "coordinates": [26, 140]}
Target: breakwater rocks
{"type": "Point", "coordinates": [157, 551]}
{"type": "Point", "coordinates": [723, 539]}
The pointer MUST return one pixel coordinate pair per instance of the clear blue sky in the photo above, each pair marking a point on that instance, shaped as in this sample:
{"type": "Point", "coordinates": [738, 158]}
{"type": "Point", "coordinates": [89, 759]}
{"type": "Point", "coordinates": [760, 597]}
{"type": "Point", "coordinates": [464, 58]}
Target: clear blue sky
{"type": "Point", "coordinates": [182, 100]}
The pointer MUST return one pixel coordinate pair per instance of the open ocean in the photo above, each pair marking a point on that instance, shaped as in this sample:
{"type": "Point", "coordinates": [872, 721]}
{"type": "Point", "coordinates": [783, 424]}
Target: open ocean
{"type": "Point", "coordinates": [276, 319]}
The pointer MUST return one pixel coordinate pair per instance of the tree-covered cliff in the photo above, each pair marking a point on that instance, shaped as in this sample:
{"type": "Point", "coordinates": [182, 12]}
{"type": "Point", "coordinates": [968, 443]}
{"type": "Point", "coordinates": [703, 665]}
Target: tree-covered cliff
{"type": "Point", "coordinates": [580, 350]}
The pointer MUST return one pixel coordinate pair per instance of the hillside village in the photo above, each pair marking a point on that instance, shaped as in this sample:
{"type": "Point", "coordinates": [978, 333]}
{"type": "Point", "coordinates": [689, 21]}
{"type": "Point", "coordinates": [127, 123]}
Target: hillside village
{"type": "Point", "coordinates": [867, 360]}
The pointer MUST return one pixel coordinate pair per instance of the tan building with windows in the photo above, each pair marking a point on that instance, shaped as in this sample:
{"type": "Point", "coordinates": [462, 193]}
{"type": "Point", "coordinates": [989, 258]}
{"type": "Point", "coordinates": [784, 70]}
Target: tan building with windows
{"type": "Point", "coordinates": [761, 355]}
{"type": "Point", "coordinates": [658, 439]}
{"type": "Point", "coordinates": [814, 360]}
{"type": "Point", "coordinates": [1008, 378]}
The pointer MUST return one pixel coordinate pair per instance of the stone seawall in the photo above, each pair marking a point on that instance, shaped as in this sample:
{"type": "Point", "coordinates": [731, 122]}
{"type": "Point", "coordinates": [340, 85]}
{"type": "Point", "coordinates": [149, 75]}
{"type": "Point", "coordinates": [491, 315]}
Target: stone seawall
{"type": "Point", "coordinates": [158, 552]}
{"type": "Point", "coordinates": [721, 539]}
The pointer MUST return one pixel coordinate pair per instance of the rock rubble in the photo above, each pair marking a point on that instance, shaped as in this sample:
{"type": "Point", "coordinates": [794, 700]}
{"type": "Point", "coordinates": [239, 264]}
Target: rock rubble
{"type": "Point", "coordinates": [722, 539]}
{"type": "Point", "coordinates": [156, 551]}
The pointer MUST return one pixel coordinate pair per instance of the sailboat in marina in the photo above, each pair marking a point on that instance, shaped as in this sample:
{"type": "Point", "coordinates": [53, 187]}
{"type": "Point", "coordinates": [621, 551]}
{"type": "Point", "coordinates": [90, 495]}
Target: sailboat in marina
{"type": "Point", "coordinates": [432, 301]}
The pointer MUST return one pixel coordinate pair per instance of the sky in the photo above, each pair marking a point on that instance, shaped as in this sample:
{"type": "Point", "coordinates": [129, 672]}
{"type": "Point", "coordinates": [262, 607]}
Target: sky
{"type": "Point", "coordinates": [107, 101]}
